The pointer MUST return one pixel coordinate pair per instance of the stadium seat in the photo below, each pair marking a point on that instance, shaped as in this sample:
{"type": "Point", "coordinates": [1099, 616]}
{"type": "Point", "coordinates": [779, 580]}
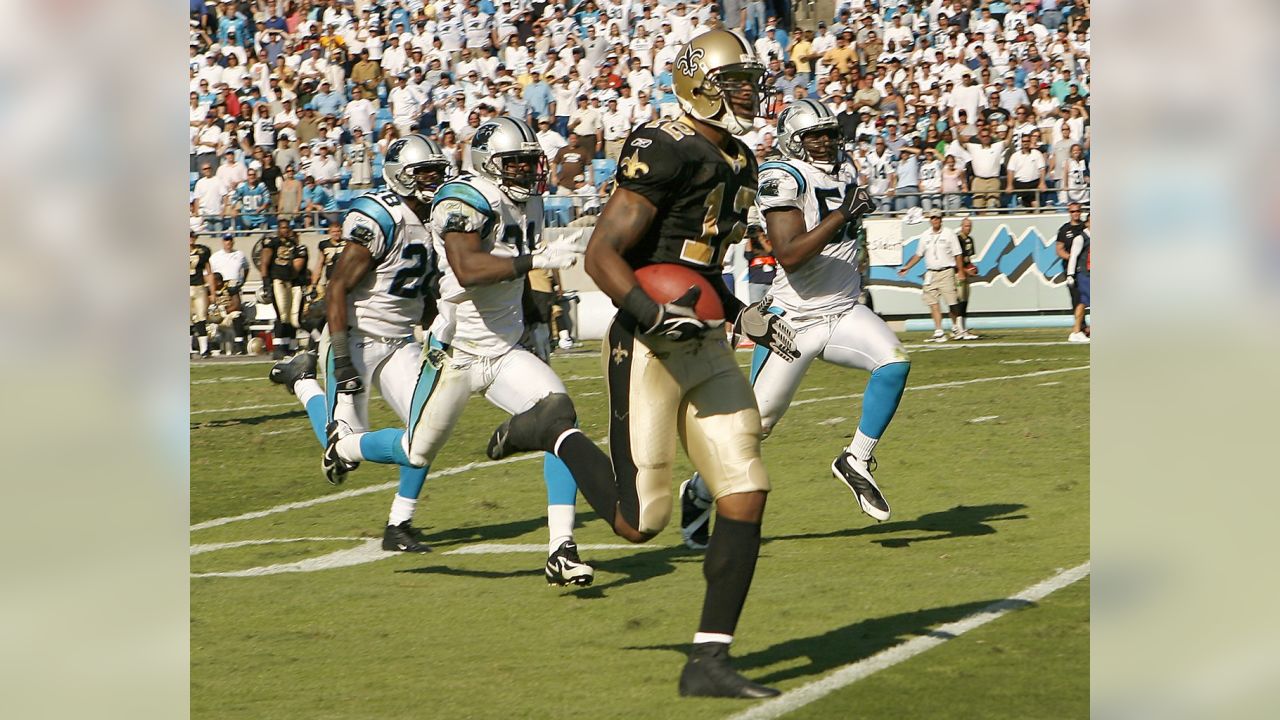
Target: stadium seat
{"type": "Point", "coordinates": [558, 210]}
{"type": "Point", "coordinates": [603, 170]}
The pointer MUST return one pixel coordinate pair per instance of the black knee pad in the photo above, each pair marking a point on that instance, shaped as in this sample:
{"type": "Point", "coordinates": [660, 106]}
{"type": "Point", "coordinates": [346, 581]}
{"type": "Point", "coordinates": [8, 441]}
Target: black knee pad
{"type": "Point", "coordinates": [553, 415]}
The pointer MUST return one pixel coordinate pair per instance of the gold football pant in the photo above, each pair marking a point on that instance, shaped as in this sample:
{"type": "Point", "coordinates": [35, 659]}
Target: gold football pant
{"type": "Point", "coordinates": [199, 304]}
{"type": "Point", "coordinates": [658, 388]}
{"type": "Point", "coordinates": [287, 299]}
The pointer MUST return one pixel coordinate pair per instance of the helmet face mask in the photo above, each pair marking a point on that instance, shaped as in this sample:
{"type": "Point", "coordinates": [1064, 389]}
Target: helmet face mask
{"type": "Point", "coordinates": [426, 178]}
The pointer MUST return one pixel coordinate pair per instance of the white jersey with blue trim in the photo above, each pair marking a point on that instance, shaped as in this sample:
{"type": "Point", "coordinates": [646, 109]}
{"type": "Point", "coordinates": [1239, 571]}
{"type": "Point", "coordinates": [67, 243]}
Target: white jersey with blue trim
{"type": "Point", "coordinates": [484, 320]}
{"type": "Point", "coordinates": [829, 282]}
{"type": "Point", "coordinates": [387, 302]}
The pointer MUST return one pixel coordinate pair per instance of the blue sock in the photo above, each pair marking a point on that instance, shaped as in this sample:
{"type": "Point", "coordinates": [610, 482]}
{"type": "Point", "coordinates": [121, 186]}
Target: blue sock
{"type": "Point", "coordinates": [384, 446]}
{"type": "Point", "coordinates": [318, 414]}
{"type": "Point", "coordinates": [561, 488]}
{"type": "Point", "coordinates": [880, 402]}
{"type": "Point", "coordinates": [411, 480]}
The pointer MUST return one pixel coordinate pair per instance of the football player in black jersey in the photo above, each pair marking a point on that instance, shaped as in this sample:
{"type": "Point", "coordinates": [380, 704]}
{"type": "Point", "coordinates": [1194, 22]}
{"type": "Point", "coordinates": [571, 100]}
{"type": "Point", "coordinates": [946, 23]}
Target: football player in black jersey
{"type": "Point", "coordinates": [684, 188]}
{"type": "Point", "coordinates": [282, 263]}
{"type": "Point", "coordinates": [226, 313]}
{"type": "Point", "coordinates": [330, 249]}
{"type": "Point", "coordinates": [201, 285]}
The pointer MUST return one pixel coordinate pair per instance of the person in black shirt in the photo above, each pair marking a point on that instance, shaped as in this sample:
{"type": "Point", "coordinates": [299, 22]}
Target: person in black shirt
{"type": "Point", "coordinates": [282, 262]}
{"type": "Point", "coordinates": [201, 284]}
{"type": "Point", "coordinates": [1073, 247]}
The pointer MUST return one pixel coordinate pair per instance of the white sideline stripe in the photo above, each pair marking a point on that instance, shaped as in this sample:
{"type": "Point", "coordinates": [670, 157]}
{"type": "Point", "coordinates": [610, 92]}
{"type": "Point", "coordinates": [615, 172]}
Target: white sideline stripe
{"type": "Point", "coordinates": [210, 547]}
{"type": "Point", "coordinates": [849, 674]}
{"type": "Point", "coordinates": [984, 418]}
{"type": "Point", "coordinates": [295, 403]}
{"type": "Point", "coordinates": [356, 492]}
{"type": "Point", "coordinates": [953, 383]}
{"type": "Point", "coordinates": [499, 548]}
{"type": "Point", "coordinates": [518, 458]}
{"type": "Point", "coordinates": [968, 345]}
{"type": "Point", "coordinates": [367, 551]}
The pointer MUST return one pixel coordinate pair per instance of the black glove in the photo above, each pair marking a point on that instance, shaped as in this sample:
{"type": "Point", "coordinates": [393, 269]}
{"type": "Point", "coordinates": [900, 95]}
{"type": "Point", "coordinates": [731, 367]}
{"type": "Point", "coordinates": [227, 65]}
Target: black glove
{"type": "Point", "coordinates": [856, 204]}
{"type": "Point", "coordinates": [345, 378]}
{"type": "Point", "coordinates": [675, 320]}
{"type": "Point", "coordinates": [768, 330]}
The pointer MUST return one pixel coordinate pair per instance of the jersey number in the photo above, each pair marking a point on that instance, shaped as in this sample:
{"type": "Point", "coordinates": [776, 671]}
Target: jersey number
{"type": "Point", "coordinates": [408, 283]}
{"type": "Point", "coordinates": [523, 241]}
{"type": "Point", "coordinates": [824, 195]}
{"type": "Point", "coordinates": [704, 250]}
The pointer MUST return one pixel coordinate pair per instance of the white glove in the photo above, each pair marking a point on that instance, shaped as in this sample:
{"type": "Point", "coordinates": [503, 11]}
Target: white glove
{"type": "Point", "coordinates": [555, 256]}
{"type": "Point", "coordinates": [1071, 280]}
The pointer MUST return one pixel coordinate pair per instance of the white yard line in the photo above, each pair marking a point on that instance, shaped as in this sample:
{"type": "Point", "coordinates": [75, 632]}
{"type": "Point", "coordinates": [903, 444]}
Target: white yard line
{"type": "Point", "coordinates": [490, 463]}
{"type": "Point", "coordinates": [356, 492]}
{"type": "Point", "coordinates": [853, 672]}
{"type": "Point", "coordinates": [210, 547]}
{"type": "Point", "coordinates": [984, 418]}
{"type": "Point", "coordinates": [953, 383]}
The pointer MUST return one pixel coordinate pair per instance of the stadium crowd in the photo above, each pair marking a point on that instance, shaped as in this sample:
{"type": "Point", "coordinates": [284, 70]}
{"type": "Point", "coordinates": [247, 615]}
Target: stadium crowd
{"type": "Point", "coordinates": [950, 104]}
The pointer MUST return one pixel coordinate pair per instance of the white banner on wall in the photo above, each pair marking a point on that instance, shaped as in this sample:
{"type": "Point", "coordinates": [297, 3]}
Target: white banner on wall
{"type": "Point", "coordinates": [884, 241]}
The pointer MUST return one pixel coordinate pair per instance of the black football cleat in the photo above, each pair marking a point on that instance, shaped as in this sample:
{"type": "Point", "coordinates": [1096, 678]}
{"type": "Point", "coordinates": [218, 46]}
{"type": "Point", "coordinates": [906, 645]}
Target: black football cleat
{"type": "Point", "coordinates": [856, 475]}
{"type": "Point", "coordinates": [564, 567]}
{"type": "Point", "coordinates": [709, 674]}
{"type": "Point", "coordinates": [288, 372]}
{"type": "Point", "coordinates": [334, 467]}
{"type": "Point", "coordinates": [695, 517]}
{"type": "Point", "coordinates": [403, 538]}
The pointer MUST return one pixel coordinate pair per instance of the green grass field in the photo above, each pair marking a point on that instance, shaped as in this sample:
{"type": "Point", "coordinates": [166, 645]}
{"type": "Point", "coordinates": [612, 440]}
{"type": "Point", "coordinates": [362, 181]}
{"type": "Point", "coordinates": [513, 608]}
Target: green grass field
{"type": "Point", "coordinates": [987, 474]}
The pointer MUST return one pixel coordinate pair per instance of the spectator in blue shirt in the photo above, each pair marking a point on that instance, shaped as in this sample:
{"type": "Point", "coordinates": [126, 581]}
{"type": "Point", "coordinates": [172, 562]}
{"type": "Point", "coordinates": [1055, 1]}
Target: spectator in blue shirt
{"type": "Point", "coordinates": [787, 82]}
{"type": "Point", "coordinates": [319, 203]}
{"type": "Point", "coordinates": [538, 95]}
{"type": "Point", "coordinates": [328, 102]}
{"type": "Point", "coordinates": [252, 200]}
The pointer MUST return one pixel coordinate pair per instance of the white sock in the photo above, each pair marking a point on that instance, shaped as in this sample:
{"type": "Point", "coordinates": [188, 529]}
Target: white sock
{"type": "Point", "coordinates": [959, 325]}
{"type": "Point", "coordinates": [712, 637]}
{"type": "Point", "coordinates": [202, 341]}
{"type": "Point", "coordinates": [401, 510]}
{"type": "Point", "coordinates": [559, 525]}
{"type": "Point", "coordinates": [306, 389]}
{"type": "Point", "coordinates": [349, 448]}
{"type": "Point", "coordinates": [862, 445]}
{"type": "Point", "coordinates": [564, 335]}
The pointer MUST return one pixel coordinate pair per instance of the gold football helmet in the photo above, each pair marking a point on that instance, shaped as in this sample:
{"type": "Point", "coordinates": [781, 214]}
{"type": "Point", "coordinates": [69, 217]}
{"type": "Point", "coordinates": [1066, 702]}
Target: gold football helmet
{"type": "Point", "coordinates": [719, 80]}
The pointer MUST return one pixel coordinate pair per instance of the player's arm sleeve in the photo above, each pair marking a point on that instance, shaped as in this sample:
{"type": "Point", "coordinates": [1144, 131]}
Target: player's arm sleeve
{"type": "Point", "coordinates": [780, 187]}
{"type": "Point", "coordinates": [370, 225]}
{"type": "Point", "coordinates": [650, 165]}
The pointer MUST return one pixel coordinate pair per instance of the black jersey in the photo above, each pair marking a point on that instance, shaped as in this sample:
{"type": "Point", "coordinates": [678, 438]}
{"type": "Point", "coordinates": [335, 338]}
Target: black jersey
{"type": "Point", "coordinates": [329, 252]}
{"type": "Point", "coordinates": [702, 194]}
{"type": "Point", "coordinates": [966, 247]}
{"type": "Point", "coordinates": [286, 251]}
{"type": "Point", "coordinates": [199, 263]}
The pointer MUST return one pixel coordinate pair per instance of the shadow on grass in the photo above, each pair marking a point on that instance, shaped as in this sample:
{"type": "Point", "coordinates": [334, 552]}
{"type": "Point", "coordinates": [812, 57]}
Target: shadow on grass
{"type": "Point", "coordinates": [254, 420]}
{"type": "Point", "coordinates": [959, 521]}
{"type": "Point", "coordinates": [819, 654]}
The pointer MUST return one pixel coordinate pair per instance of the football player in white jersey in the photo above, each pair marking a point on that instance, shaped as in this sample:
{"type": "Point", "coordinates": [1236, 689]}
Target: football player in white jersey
{"type": "Point", "coordinates": [812, 205]}
{"type": "Point", "coordinates": [374, 299]}
{"type": "Point", "coordinates": [486, 229]}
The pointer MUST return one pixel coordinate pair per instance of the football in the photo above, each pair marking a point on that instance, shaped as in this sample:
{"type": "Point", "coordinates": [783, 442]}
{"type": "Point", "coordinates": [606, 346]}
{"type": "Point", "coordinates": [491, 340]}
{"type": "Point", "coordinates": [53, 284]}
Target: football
{"type": "Point", "coordinates": [667, 281]}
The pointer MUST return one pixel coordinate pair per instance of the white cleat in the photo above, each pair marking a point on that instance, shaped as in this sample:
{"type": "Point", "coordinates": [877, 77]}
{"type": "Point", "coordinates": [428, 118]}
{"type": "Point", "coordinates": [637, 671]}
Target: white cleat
{"type": "Point", "coordinates": [1078, 337]}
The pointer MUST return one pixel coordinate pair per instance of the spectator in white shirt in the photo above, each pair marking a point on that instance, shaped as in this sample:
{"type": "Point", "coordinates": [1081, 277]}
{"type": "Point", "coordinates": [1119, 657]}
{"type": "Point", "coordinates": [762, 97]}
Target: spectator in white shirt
{"type": "Point", "coordinates": [394, 58]}
{"type": "Point", "coordinates": [230, 263]}
{"type": "Point", "coordinates": [360, 113]}
{"type": "Point", "coordinates": [943, 258]}
{"type": "Point", "coordinates": [325, 169]}
{"type": "Point", "coordinates": [1025, 177]}
{"type": "Point", "coordinates": [210, 195]}
{"type": "Point", "coordinates": [550, 140]}
{"type": "Point", "coordinates": [232, 172]}
{"type": "Point", "coordinates": [404, 106]}
{"type": "Point", "coordinates": [617, 123]}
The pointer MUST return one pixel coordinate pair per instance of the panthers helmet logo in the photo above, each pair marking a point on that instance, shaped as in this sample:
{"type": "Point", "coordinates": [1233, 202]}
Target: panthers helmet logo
{"type": "Point", "coordinates": [393, 152]}
{"type": "Point", "coordinates": [481, 139]}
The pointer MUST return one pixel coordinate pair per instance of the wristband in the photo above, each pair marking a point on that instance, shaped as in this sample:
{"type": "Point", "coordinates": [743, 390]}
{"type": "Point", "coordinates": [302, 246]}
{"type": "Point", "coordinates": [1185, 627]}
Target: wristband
{"type": "Point", "coordinates": [640, 306]}
{"type": "Point", "coordinates": [523, 264]}
{"type": "Point", "coordinates": [338, 343]}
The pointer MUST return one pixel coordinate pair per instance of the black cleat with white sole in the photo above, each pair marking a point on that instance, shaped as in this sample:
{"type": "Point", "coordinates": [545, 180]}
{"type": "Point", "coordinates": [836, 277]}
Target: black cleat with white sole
{"type": "Point", "coordinates": [334, 467]}
{"type": "Point", "coordinates": [403, 538]}
{"type": "Point", "coordinates": [856, 475]}
{"type": "Point", "coordinates": [709, 674]}
{"type": "Point", "coordinates": [289, 371]}
{"type": "Point", "coordinates": [695, 517]}
{"type": "Point", "coordinates": [564, 567]}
